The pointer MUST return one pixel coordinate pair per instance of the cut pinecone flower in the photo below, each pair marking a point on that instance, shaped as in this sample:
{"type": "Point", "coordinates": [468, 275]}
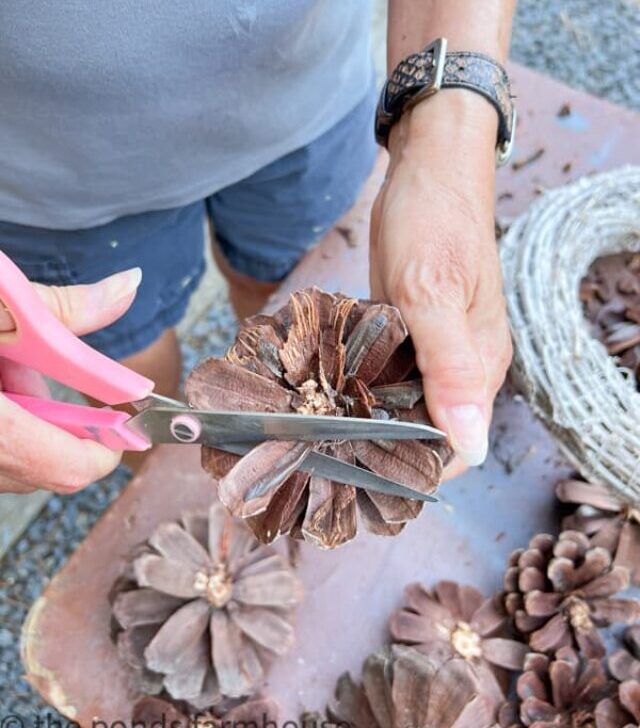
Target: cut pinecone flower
{"type": "Point", "coordinates": [560, 590]}
{"type": "Point", "coordinates": [568, 691]}
{"type": "Point", "coordinates": [607, 521]}
{"type": "Point", "coordinates": [211, 607]}
{"type": "Point", "coordinates": [151, 712]}
{"type": "Point", "coordinates": [327, 355]}
{"type": "Point", "coordinates": [402, 688]}
{"type": "Point", "coordinates": [457, 621]}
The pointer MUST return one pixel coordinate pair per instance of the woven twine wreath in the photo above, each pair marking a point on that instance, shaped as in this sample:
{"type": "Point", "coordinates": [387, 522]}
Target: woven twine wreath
{"type": "Point", "coordinates": [567, 375]}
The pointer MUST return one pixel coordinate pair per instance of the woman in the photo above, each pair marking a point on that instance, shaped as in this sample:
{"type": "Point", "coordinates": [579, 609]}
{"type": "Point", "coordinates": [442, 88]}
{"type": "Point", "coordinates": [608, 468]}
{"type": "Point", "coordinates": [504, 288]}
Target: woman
{"type": "Point", "coordinates": [121, 125]}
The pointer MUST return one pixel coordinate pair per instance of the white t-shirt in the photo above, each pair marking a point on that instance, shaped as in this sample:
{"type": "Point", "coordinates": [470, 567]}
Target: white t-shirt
{"type": "Point", "coordinates": [120, 106]}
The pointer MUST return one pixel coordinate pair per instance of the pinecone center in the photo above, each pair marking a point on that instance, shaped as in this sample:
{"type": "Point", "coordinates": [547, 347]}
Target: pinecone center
{"type": "Point", "coordinates": [216, 587]}
{"type": "Point", "coordinates": [579, 614]}
{"type": "Point", "coordinates": [466, 642]}
{"type": "Point", "coordinates": [315, 400]}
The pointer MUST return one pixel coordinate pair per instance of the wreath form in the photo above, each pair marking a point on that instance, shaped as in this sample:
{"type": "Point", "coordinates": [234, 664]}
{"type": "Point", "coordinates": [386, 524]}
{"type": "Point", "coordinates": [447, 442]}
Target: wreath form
{"type": "Point", "coordinates": [587, 402]}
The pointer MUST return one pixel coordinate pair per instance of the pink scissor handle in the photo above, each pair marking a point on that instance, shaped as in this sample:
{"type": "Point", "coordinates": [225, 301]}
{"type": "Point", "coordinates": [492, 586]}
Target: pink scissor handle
{"type": "Point", "coordinates": [45, 344]}
{"type": "Point", "coordinates": [105, 426]}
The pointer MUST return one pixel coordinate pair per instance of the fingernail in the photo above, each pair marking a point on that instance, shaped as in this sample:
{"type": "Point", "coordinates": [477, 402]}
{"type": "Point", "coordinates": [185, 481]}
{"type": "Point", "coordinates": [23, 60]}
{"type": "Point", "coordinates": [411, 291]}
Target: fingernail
{"type": "Point", "coordinates": [468, 432]}
{"type": "Point", "coordinates": [7, 324]}
{"type": "Point", "coordinates": [123, 284]}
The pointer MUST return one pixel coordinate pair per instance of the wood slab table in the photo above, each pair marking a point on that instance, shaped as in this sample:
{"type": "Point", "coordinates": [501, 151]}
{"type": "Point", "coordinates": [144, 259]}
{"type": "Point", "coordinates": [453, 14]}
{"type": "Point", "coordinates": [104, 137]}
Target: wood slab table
{"type": "Point", "coordinates": [350, 592]}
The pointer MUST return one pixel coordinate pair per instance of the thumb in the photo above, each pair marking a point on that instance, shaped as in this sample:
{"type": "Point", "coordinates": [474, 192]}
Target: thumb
{"type": "Point", "coordinates": [87, 308]}
{"type": "Point", "coordinates": [454, 379]}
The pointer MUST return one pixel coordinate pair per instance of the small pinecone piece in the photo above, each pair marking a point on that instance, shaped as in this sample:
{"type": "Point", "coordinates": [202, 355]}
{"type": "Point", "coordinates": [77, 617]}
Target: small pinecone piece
{"type": "Point", "coordinates": [563, 692]}
{"type": "Point", "coordinates": [607, 521]}
{"type": "Point", "coordinates": [152, 712]}
{"type": "Point", "coordinates": [320, 354]}
{"type": "Point", "coordinates": [559, 591]}
{"type": "Point", "coordinates": [210, 608]}
{"type": "Point", "coordinates": [457, 621]}
{"type": "Point", "coordinates": [402, 687]}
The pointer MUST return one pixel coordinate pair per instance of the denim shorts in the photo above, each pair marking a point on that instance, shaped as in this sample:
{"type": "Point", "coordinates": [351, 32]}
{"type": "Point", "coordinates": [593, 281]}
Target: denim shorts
{"type": "Point", "coordinates": [264, 225]}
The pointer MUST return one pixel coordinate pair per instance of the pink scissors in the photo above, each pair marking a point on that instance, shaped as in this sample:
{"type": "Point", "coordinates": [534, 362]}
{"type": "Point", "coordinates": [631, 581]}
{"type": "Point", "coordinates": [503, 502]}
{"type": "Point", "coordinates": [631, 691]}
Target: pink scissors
{"type": "Point", "coordinates": [42, 342]}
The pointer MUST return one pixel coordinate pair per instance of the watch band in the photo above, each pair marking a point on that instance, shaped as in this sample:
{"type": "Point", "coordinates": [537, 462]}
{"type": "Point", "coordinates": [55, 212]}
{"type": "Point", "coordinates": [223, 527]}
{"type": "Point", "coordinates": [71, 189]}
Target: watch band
{"type": "Point", "coordinates": [422, 74]}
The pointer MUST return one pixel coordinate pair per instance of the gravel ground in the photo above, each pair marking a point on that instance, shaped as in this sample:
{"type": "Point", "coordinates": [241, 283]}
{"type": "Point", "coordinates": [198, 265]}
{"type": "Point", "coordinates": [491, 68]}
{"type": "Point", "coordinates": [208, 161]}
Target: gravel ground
{"type": "Point", "coordinates": [586, 43]}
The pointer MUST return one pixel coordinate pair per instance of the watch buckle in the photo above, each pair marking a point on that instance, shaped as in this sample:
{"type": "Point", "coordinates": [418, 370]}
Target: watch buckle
{"type": "Point", "coordinates": [439, 49]}
{"type": "Point", "coordinates": [504, 150]}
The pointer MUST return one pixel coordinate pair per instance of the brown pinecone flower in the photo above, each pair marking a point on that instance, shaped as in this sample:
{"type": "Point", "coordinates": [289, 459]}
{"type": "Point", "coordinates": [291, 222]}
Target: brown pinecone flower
{"type": "Point", "coordinates": [402, 688]}
{"type": "Point", "coordinates": [559, 591]}
{"type": "Point", "coordinates": [607, 521]}
{"type": "Point", "coordinates": [152, 712]}
{"type": "Point", "coordinates": [328, 355]}
{"type": "Point", "coordinates": [211, 607]}
{"type": "Point", "coordinates": [563, 692]}
{"type": "Point", "coordinates": [457, 621]}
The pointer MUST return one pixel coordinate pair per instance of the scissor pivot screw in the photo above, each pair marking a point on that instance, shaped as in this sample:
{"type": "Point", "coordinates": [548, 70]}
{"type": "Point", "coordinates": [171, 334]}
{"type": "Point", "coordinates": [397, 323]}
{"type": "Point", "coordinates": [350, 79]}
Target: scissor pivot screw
{"type": "Point", "coordinates": [185, 428]}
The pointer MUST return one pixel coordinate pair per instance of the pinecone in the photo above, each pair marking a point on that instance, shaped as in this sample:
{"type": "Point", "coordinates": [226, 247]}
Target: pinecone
{"type": "Point", "coordinates": [559, 590]}
{"type": "Point", "coordinates": [570, 691]}
{"type": "Point", "coordinates": [151, 712]}
{"type": "Point", "coordinates": [402, 688]}
{"type": "Point", "coordinates": [210, 608]}
{"type": "Point", "coordinates": [563, 692]}
{"type": "Point", "coordinates": [457, 621]}
{"type": "Point", "coordinates": [320, 354]}
{"type": "Point", "coordinates": [607, 521]}
{"type": "Point", "coordinates": [624, 663]}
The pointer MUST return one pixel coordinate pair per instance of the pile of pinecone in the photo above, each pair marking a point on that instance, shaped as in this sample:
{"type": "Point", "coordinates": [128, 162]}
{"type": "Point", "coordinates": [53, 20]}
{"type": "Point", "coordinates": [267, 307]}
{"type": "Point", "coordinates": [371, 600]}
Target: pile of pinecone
{"type": "Point", "coordinates": [208, 605]}
{"type": "Point", "coordinates": [531, 655]}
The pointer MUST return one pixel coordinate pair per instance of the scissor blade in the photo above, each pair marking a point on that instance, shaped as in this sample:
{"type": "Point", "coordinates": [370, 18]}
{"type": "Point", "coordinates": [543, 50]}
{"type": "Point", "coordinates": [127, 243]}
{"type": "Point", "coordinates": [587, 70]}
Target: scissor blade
{"type": "Point", "coordinates": [333, 469]}
{"type": "Point", "coordinates": [213, 428]}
